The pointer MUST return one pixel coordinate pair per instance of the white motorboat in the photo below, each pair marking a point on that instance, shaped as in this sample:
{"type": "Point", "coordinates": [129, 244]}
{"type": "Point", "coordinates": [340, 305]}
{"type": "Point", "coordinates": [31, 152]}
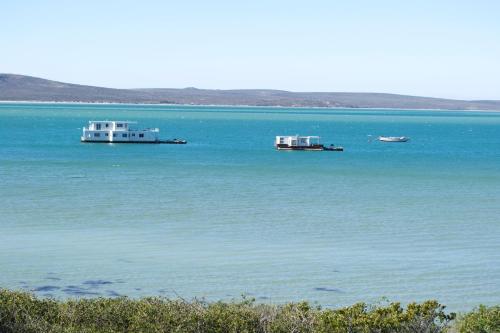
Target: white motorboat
{"type": "Point", "coordinates": [393, 138]}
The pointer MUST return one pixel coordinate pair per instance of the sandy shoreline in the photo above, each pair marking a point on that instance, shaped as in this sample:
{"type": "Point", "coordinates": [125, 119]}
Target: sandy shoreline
{"type": "Point", "coordinates": [243, 106]}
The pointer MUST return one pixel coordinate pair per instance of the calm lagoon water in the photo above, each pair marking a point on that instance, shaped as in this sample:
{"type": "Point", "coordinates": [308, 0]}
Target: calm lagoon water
{"type": "Point", "coordinates": [228, 215]}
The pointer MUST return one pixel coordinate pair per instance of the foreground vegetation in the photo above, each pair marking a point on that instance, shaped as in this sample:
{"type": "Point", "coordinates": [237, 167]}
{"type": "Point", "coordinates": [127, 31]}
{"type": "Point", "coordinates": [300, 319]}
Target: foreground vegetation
{"type": "Point", "coordinates": [481, 320]}
{"type": "Point", "coordinates": [24, 312]}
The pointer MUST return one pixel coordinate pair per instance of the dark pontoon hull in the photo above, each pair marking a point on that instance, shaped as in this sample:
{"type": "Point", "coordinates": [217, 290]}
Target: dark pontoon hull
{"type": "Point", "coordinates": [171, 142]}
{"type": "Point", "coordinates": [308, 148]}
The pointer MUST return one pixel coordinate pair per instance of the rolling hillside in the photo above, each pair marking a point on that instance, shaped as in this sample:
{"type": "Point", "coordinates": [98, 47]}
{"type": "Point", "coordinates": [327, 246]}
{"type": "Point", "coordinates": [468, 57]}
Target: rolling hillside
{"type": "Point", "coordinates": [27, 88]}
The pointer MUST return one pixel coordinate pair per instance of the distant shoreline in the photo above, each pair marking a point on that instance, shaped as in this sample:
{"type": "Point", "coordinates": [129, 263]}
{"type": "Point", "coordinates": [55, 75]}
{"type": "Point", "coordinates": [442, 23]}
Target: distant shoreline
{"type": "Point", "coordinates": [246, 106]}
{"type": "Point", "coordinates": [16, 88]}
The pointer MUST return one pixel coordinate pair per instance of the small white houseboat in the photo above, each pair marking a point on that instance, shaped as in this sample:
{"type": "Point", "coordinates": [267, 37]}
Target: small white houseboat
{"type": "Point", "coordinates": [296, 142]}
{"type": "Point", "coordinates": [112, 131]}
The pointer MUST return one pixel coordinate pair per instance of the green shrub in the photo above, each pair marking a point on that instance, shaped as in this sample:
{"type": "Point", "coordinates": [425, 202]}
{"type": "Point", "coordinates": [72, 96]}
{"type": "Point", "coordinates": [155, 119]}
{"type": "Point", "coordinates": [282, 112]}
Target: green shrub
{"type": "Point", "coordinates": [427, 317]}
{"type": "Point", "coordinates": [481, 320]}
{"type": "Point", "coordinates": [21, 312]}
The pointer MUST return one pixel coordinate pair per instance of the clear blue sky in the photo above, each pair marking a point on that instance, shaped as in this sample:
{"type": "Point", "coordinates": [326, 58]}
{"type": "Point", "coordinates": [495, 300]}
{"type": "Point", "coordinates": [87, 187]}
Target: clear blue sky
{"type": "Point", "coordinates": [437, 48]}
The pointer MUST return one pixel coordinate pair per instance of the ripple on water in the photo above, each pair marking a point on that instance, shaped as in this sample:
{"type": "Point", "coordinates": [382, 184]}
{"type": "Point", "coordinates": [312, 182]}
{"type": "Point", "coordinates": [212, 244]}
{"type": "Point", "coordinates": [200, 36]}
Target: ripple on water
{"type": "Point", "coordinates": [334, 290]}
{"type": "Point", "coordinates": [53, 278]}
{"type": "Point", "coordinates": [113, 293]}
{"type": "Point", "coordinates": [46, 288]}
{"type": "Point", "coordinates": [96, 283]}
{"type": "Point", "coordinates": [79, 291]}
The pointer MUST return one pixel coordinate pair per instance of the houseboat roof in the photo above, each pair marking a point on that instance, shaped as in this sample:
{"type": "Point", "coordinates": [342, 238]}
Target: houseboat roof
{"type": "Point", "coordinates": [113, 121]}
{"type": "Point", "coordinates": [299, 136]}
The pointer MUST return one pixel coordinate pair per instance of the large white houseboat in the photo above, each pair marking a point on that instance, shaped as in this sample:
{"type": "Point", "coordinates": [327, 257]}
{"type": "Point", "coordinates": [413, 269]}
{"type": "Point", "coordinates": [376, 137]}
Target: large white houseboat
{"type": "Point", "coordinates": [297, 142]}
{"type": "Point", "coordinates": [112, 131]}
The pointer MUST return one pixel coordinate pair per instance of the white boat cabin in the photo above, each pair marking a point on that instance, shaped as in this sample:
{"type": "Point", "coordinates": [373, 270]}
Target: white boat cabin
{"type": "Point", "coordinates": [297, 141]}
{"type": "Point", "coordinates": [118, 131]}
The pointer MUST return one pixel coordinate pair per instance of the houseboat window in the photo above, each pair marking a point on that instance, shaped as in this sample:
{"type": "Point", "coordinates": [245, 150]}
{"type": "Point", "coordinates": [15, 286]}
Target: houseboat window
{"type": "Point", "coordinates": [124, 135]}
{"type": "Point", "coordinates": [282, 140]}
{"type": "Point", "coordinates": [107, 125]}
{"type": "Point", "coordinates": [97, 126]}
{"type": "Point", "coordinates": [133, 134]}
{"type": "Point", "coordinates": [114, 135]}
{"type": "Point", "coordinates": [119, 125]}
{"type": "Point", "coordinates": [141, 135]}
{"type": "Point", "coordinates": [106, 134]}
{"type": "Point", "coordinates": [97, 135]}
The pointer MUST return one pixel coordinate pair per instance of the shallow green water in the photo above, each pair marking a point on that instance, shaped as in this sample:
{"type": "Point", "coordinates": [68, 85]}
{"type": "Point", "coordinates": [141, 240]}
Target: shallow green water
{"type": "Point", "coordinates": [228, 215]}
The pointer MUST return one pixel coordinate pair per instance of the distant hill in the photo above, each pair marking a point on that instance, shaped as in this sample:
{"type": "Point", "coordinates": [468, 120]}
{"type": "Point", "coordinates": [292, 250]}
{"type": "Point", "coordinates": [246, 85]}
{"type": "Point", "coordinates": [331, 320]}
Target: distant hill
{"type": "Point", "coordinates": [27, 88]}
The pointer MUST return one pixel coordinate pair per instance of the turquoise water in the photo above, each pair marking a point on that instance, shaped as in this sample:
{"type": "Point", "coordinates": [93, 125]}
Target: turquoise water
{"type": "Point", "coordinates": [227, 215]}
